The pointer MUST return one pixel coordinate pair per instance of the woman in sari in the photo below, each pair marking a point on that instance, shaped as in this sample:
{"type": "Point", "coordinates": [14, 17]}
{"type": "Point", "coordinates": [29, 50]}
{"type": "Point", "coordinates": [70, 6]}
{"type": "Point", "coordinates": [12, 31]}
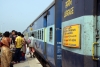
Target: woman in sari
{"type": "Point", "coordinates": [6, 55]}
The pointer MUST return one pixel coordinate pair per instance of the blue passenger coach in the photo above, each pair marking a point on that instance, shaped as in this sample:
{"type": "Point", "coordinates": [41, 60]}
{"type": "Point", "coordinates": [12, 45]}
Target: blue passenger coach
{"type": "Point", "coordinates": [67, 34]}
{"type": "Point", "coordinates": [47, 30]}
{"type": "Point", "coordinates": [80, 33]}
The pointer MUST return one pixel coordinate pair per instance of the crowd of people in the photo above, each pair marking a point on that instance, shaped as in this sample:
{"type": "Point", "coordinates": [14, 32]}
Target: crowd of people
{"type": "Point", "coordinates": [13, 48]}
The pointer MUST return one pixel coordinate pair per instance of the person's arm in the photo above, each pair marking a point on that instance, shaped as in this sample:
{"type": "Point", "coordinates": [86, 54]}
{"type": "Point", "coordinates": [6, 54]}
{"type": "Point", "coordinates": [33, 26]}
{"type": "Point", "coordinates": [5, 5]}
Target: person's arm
{"type": "Point", "coordinates": [9, 41]}
{"type": "Point", "coordinates": [22, 41]}
{"type": "Point", "coordinates": [15, 42]}
{"type": "Point", "coordinates": [5, 42]}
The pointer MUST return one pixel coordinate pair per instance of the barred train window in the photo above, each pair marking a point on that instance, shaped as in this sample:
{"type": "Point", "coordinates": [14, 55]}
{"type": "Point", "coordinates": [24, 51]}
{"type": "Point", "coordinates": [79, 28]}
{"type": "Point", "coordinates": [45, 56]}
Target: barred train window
{"type": "Point", "coordinates": [35, 34]}
{"type": "Point", "coordinates": [42, 34]}
{"type": "Point", "coordinates": [50, 34]}
{"type": "Point", "coordinates": [30, 33]}
{"type": "Point", "coordinates": [38, 34]}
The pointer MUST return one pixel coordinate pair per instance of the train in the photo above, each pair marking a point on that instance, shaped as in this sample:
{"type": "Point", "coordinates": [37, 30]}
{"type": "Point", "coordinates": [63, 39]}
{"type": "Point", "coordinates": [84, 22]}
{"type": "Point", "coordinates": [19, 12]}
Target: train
{"type": "Point", "coordinates": [67, 34]}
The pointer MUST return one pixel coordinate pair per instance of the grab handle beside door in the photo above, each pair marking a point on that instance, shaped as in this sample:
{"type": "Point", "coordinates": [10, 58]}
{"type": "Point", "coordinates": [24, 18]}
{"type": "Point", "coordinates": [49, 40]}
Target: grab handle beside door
{"type": "Point", "coordinates": [93, 51]}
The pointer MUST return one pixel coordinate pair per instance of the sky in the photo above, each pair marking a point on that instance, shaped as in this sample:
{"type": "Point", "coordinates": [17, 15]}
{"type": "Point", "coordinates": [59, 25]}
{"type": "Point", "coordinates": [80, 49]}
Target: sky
{"type": "Point", "coordinates": [19, 14]}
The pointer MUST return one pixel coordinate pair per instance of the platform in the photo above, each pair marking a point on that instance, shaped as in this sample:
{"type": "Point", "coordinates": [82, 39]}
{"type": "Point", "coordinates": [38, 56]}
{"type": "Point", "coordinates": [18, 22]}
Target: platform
{"type": "Point", "coordinates": [30, 62]}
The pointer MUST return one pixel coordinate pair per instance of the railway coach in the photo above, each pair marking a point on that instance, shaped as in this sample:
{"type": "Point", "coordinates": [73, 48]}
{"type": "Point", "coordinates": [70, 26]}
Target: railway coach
{"type": "Point", "coordinates": [47, 32]}
{"type": "Point", "coordinates": [67, 34]}
{"type": "Point", "coordinates": [80, 33]}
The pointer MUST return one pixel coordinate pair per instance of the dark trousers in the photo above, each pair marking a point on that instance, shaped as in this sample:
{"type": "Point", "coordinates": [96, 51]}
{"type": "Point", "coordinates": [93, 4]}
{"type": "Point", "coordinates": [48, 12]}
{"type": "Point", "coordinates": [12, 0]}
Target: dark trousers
{"type": "Point", "coordinates": [22, 56]}
{"type": "Point", "coordinates": [17, 54]}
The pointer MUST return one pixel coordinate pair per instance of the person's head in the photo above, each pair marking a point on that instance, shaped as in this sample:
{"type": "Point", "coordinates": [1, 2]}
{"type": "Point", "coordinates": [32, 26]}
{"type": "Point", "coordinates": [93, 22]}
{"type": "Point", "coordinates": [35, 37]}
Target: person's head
{"type": "Point", "coordinates": [6, 34]}
{"type": "Point", "coordinates": [13, 32]}
{"type": "Point", "coordinates": [22, 35]}
{"type": "Point", "coordinates": [19, 33]}
{"type": "Point", "coordinates": [32, 35]}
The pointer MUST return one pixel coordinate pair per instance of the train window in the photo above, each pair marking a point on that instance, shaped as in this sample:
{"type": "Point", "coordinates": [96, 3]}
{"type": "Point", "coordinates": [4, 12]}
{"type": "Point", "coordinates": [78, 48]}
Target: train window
{"type": "Point", "coordinates": [30, 34]}
{"type": "Point", "coordinates": [35, 34]}
{"type": "Point", "coordinates": [50, 34]}
{"type": "Point", "coordinates": [42, 34]}
{"type": "Point", "coordinates": [38, 34]}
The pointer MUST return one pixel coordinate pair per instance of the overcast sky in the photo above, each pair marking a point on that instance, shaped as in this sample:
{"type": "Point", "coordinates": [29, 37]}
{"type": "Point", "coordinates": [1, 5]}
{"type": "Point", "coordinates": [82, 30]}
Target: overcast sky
{"type": "Point", "coordinates": [18, 14]}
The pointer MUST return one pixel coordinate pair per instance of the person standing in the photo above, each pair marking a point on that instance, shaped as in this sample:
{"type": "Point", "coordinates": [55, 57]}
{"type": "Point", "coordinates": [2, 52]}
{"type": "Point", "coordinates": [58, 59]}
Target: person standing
{"type": "Point", "coordinates": [13, 37]}
{"type": "Point", "coordinates": [12, 46]}
{"type": "Point", "coordinates": [18, 46]}
{"type": "Point", "coordinates": [23, 47]}
{"type": "Point", "coordinates": [6, 54]}
{"type": "Point", "coordinates": [31, 41]}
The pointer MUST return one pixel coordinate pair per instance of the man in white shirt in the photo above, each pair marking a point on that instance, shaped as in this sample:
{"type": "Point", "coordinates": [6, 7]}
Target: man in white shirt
{"type": "Point", "coordinates": [31, 45]}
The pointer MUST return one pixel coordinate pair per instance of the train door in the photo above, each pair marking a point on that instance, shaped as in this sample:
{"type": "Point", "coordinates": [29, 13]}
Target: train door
{"type": "Point", "coordinates": [45, 34]}
{"type": "Point", "coordinates": [58, 20]}
{"type": "Point", "coordinates": [96, 45]}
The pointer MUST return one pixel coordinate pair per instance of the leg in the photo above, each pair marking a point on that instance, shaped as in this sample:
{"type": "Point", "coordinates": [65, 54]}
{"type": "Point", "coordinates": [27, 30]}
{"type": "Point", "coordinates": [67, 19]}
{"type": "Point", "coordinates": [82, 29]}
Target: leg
{"type": "Point", "coordinates": [19, 54]}
{"type": "Point", "coordinates": [23, 56]}
{"type": "Point", "coordinates": [6, 57]}
{"type": "Point", "coordinates": [16, 55]}
{"type": "Point", "coordinates": [33, 51]}
{"type": "Point", "coordinates": [30, 52]}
